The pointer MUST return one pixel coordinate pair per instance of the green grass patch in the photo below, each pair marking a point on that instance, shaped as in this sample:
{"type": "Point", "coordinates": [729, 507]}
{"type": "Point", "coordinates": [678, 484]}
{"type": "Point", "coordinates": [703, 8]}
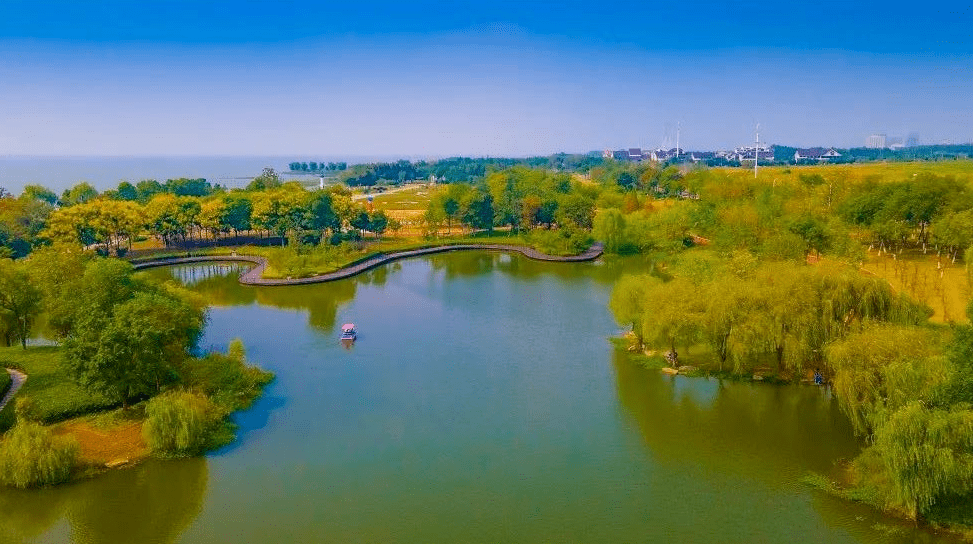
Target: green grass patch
{"type": "Point", "coordinates": [649, 360]}
{"type": "Point", "coordinates": [54, 395]}
{"type": "Point", "coordinates": [415, 198]}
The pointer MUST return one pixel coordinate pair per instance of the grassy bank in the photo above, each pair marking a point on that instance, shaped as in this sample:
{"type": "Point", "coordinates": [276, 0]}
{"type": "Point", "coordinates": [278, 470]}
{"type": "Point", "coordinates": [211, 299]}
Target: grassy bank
{"type": "Point", "coordinates": [52, 392]}
{"type": "Point", "coordinates": [96, 435]}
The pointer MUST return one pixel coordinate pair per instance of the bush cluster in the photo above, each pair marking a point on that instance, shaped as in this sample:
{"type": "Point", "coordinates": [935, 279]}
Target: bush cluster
{"type": "Point", "coordinates": [32, 455]}
{"type": "Point", "coordinates": [180, 423]}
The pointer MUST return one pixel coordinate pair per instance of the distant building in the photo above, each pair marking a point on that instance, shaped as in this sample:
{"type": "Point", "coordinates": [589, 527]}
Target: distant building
{"type": "Point", "coordinates": [663, 155]}
{"type": "Point", "coordinates": [912, 140]}
{"type": "Point", "coordinates": [819, 154]}
{"type": "Point", "coordinates": [749, 153]}
{"type": "Point", "coordinates": [699, 156]}
{"type": "Point", "coordinates": [875, 141]}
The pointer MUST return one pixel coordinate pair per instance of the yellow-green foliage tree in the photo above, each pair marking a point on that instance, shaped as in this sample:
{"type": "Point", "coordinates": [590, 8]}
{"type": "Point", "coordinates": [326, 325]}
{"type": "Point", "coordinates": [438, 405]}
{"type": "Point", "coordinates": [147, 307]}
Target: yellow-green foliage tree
{"type": "Point", "coordinates": [920, 456]}
{"type": "Point", "coordinates": [180, 423]}
{"type": "Point", "coordinates": [33, 456]}
{"type": "Point", "coordinates": [20, 302]}
{"type": "Point", "coordinates": [883, 367]}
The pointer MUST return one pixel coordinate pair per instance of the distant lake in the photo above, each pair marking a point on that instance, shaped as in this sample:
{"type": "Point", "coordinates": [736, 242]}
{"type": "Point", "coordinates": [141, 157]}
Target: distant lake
{"type": "Point", "coordinates": [59, 173]}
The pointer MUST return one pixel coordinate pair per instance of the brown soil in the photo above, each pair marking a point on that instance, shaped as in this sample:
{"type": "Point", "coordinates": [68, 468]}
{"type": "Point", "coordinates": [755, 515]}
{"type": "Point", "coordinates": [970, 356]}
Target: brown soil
{"type": "Point", "coordinates": [101, 445]}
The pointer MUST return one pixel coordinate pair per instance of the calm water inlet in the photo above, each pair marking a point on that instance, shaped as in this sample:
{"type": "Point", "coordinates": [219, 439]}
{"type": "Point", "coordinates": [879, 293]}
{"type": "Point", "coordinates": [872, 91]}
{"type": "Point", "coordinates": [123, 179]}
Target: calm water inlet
{"type": "Point", "coordinates": [483, 402]}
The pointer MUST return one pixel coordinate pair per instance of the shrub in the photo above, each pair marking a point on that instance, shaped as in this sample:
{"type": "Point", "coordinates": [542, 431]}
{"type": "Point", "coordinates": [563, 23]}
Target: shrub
{"type": "Point", "coordinates": [26, 409]}
{"type": "Point", "coordinates": [226, 379]}
{"type": "Point", "coordinates": [5, 383]}
{"type": "Point", "coordinates": [31, 456]}
{"type": "Point", "coordinates": [7, 417]}
{"type": "Point", "coordinates": [180, 423]}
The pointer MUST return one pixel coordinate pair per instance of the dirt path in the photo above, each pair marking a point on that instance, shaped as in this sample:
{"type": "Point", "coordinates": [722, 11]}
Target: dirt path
{"type": "Point", "coordinates": [253, 276]}
{"type": "Point", "coordinates": [18, 378]}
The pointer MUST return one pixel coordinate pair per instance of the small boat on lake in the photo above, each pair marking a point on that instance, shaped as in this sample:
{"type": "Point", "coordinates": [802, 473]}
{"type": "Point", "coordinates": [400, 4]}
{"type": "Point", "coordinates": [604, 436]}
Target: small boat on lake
{"type": "Point", "coordinates": [348, 332]}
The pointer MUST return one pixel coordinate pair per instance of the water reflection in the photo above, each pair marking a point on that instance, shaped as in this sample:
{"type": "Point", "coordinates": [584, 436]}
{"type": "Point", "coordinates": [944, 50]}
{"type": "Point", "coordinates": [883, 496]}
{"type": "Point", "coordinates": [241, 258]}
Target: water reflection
{"type": "Point", "coordinates": [151, 503]}
{"type": "Point", "coordinates": [218, 285]}
{"type": "Point", "coordinates": [769, 434]}
{"type": "Point", "coordinates": [217, 282]}
{"type": "Point", "coordinates": [765, 432]}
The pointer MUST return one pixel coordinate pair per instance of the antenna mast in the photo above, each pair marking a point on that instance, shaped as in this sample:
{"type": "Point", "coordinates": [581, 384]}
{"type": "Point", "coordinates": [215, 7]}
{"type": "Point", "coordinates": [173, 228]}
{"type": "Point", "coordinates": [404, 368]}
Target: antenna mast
{"type": "Point", "coordinates": [678, 127]}
{"type": "Point", "coordinates": [756, 151]}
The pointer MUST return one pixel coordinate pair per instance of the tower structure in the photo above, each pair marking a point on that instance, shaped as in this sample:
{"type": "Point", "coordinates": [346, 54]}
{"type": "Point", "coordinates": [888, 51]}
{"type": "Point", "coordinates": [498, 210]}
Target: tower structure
{"type": "Point", "coordinates": [756, 151]}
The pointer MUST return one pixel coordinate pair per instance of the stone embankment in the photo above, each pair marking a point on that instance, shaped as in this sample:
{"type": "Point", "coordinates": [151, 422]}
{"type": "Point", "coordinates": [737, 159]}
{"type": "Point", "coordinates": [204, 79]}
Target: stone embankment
{"type": "Point", "coordinates": [254, 275]}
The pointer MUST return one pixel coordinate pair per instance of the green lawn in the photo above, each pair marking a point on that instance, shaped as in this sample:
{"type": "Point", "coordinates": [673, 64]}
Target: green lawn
{"type": "Point", "coordinates": [414, 198]}
{"type": "Point", "coordinates": [52, 391]}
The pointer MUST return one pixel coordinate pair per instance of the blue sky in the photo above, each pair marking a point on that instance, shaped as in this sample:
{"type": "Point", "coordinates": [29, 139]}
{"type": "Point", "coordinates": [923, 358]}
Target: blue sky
{"type": "Point", "coordinates": [474, 78]}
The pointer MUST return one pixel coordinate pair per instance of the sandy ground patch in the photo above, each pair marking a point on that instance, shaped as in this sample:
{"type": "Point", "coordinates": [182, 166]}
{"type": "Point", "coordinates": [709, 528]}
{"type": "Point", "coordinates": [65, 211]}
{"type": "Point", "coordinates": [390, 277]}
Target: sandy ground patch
{"type": "Point", "coordinates": [101, 445]}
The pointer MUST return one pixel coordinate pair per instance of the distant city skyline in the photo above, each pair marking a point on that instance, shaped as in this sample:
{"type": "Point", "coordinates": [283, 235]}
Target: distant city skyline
{"type": "Point", "coordinates": [112, 78]}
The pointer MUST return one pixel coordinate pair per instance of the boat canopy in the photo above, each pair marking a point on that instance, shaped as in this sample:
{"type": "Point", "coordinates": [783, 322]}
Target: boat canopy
{"type": "Point", "coordinates": [348, 327]}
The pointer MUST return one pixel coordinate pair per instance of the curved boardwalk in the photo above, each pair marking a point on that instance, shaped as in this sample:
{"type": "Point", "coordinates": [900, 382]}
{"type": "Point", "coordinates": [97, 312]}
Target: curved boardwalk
{"type": "Point", "coordinates": [253, 275]}
{"type": "Point", "coordinates": [18, 381]}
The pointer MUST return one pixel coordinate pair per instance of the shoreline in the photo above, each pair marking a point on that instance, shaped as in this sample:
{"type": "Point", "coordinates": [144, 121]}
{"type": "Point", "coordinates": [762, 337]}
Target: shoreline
{"type": "Point", "coordinates": [253, 276]}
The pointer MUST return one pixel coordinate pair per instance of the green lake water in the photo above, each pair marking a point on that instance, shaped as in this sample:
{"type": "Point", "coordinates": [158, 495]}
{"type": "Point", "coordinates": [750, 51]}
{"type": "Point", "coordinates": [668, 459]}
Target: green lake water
{"type": "Point", "coordinates": [483, 402]}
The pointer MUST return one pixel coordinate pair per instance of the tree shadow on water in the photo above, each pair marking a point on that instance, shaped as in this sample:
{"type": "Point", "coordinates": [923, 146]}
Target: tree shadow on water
{"type": "Point", "coordinates": [250, 421]}
{"type": "Point", "coordinates": [155, 501]}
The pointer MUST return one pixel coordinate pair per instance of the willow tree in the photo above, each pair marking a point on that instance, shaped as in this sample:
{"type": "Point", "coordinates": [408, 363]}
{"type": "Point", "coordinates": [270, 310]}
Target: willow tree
{"type": "Point", "coordinates": [782, 318]}
{"type": "Point", "coordinates": [628, 301]}
{"type": "Point", "coordinates": [883, 367]}
{"type": "Point", "coordinates": [927, 455]}
{"type": "Point", "coordinates": [671, 313]}
{"type": "Point", "coordinates": [725, 304]}
{"type": "Point", "coordinates": [609, 227]}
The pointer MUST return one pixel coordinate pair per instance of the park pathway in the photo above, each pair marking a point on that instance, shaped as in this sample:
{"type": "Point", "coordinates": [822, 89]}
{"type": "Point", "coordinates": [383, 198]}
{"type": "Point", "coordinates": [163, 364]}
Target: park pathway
{"type": "Point", "coordinates": [253, 275]}
{"type": "Point", "coordinates": [18, 381]}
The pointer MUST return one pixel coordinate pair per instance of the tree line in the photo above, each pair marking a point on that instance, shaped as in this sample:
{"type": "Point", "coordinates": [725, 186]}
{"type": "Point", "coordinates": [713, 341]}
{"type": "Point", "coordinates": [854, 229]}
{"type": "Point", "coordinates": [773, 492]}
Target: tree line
{"type": "Point", "coordinates": [762, 276]}
{"type": "Point", "coordinates": [283, 210]}
{"type": "Point", "coordinates": [555, 211]}
{"type": "Point", "coordinates": [317, 166]}
{"type": "Point", "coordinates": [461, 169]}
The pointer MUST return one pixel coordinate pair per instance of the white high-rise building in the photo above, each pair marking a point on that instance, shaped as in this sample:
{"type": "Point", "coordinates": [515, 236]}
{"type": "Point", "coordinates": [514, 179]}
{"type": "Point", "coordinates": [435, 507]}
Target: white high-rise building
{"type": "Point", "coordinates": [875, 141]}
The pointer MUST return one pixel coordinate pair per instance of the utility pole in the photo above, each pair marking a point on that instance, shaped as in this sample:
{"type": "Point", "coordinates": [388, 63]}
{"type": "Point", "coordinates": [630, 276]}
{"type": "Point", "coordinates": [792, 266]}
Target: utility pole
{"type": "Point", "coordinates": [756, 151]}
{"type": "Point", "coordinates": [678, 128]}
